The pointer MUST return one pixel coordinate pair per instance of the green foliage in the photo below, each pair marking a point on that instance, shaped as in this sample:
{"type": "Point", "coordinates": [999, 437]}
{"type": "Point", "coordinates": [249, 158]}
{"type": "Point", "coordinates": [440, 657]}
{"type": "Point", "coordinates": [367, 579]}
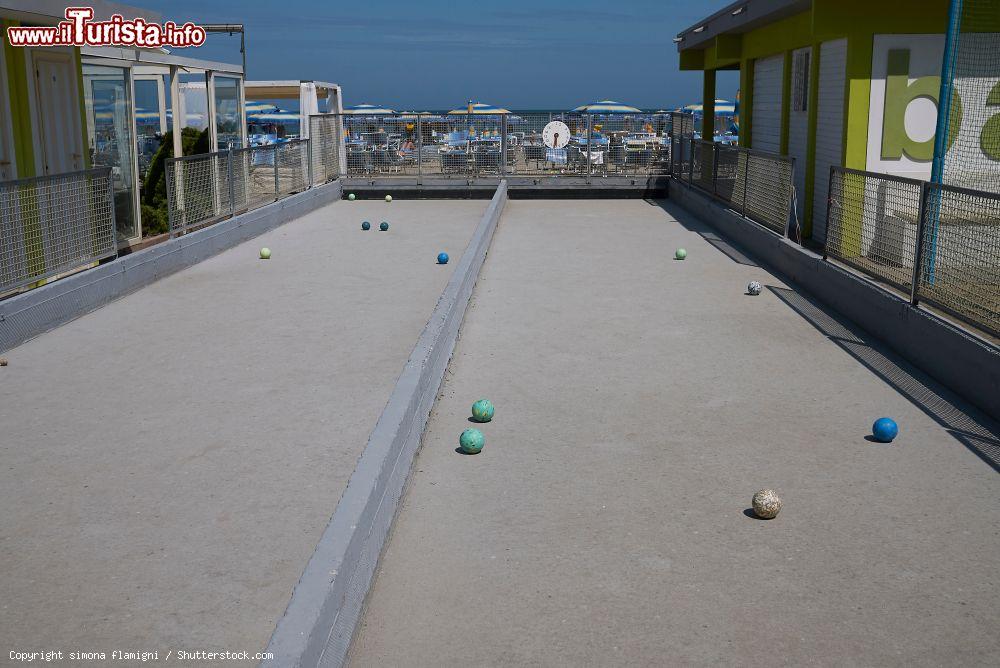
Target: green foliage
{"type": "Point", "coordinates": [154, 188]}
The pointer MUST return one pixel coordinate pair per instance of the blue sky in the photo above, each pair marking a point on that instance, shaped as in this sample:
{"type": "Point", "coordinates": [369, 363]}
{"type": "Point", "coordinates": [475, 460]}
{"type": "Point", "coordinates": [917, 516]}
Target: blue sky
{"type": "Point", "coordinates": [440, 53]}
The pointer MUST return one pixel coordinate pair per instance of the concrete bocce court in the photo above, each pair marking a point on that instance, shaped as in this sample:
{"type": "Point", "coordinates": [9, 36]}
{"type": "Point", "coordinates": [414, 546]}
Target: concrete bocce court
{"type": "Point", "coordinates": [171, 459]}
{"type": "Point", "coordinates": [231, 484]}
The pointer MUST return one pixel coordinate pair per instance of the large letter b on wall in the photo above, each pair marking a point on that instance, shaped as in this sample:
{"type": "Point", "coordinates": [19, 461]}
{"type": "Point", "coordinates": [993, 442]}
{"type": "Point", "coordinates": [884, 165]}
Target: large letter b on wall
{"type": "Point", "coordinates": [899, 94]}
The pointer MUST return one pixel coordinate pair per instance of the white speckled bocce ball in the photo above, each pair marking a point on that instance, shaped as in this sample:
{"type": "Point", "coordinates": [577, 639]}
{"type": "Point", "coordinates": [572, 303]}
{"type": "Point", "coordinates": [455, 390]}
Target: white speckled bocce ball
{"type": "Point", "coordinates": [766, 504]}
{"type": "Point", "coordinates": [753, 288]}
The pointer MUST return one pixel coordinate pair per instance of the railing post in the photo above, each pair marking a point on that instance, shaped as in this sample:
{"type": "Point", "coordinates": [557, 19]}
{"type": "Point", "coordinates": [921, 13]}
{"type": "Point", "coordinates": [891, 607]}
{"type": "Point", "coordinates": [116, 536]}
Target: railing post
{"type": "Point", "coordinates": [691, 161]}
{"type": "Point", "coordinates": [229, 175]}
{"type": "Point", "coordinates": [715, 168]}
{"type": "Point", "coordinates": [503, 144]}
{"type": "Point", "coordinates": [918, 252]}
{"type": "Point", "coordinates": [590, 143]}
{"type": "Point", "coordinates": [420, 149]}
{"type": "Point", "coordinates": [114, 221]}
{"type": "Point", "coordinates": [746, 182]}
{"type": "Point", "coordinates": [277, 191]}
{"type": "Point", "coordinates": [309, 161]}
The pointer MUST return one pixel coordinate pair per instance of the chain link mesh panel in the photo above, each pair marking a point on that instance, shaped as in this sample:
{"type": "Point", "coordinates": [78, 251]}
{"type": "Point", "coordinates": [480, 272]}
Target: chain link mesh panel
{"type": "Point", "coordinates": [873, 224]}
{"type": "Point", "coordinates": [972, 120]}
{"type": "Point", "coordinates": [770, 182]}
{"type": "Point", "coordinates": [759, 185]}
{"type": "Point", "coordinates": [197, 189]}
{"type": "Point", "coordinates": [731, 175]}
{"type": "Point", "coordinates": [326, 135]}
{"type": "Point", "coordinates": [53, 224]}
{"type": "Point", "coordinates": [960, 255]}
{"type": "Point", "coordinates": [202, 189]}
{"type": "Point", "coordinates": [292, 166]}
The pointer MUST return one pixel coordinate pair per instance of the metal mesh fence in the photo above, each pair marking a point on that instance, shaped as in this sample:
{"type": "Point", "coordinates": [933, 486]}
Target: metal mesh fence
{"type": "Point", "coordinates": [731, 176]}
{"type": "Point", "coordinates": [204, 188]}
{"type": "Point", "coordinates": [53, 224]}
{"type": "Point", "coordinates": [940, 244]}
{"type": "Point", "coordinates": [326, 132]}
{"type": "Point", "coordinates": [969, 125]}
{"type": "Point", "coordinates": [769, 191]}
{"type": "Point", "coordinates": [757, 184]}
{"type": "Point", "coordinates": [292, 166]}
{"type": "Point", "coordinates": [491, 145]}
{"type": "Point", "coordinates": [960, 255]}
{"type": "Point", "coordinates": [872, 224]}
{"type": "Point", "coordinates": [681, 124]}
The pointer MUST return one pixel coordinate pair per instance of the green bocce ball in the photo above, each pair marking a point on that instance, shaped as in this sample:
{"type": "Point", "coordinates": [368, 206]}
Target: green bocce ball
{"type": "Point", "coordinates": [471, 441]}
{"type": "Point", "coordinates": [482, 410]}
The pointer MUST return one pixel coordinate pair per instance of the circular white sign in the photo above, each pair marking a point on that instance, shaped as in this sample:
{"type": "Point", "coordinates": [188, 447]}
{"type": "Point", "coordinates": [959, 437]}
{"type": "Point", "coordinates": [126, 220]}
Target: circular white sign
{"type": "Point", "coordinates": [556, 134]}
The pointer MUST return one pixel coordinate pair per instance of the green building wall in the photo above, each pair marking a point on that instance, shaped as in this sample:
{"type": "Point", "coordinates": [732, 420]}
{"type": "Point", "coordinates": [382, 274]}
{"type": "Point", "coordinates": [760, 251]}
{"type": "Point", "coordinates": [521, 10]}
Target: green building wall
{"type": "Point", "coordinates": [858, 21]}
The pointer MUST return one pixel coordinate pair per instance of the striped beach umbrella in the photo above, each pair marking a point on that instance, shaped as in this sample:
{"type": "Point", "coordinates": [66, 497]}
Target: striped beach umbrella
{"type": "Point", "coordinates": [368, 110]}
{"type": "Point", "coordinates": [607, 107]}
{"type": "Point", "coordinates": [722, 108]}
{"type": "Point", "coordinates": [479, 108]}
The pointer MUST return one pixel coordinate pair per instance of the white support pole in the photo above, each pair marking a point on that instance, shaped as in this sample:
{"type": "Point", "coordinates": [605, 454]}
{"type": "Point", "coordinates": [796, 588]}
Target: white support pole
{"type": "Point", "coordinates": [177, 125]}
{"type": "Point", "coordinates": [213, 130]}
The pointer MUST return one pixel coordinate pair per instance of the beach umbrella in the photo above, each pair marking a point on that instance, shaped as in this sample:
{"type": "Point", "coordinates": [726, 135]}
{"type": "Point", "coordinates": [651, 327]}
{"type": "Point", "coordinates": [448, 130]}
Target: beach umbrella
{"type": "Point", "coordinates": [479, 108]}
{"type": "Point", "coordinates": [368, 110]}
{"type": "Point", "coordinates": [722, 108]}
{"type": "Point", "coordinates": [260, 108]}
{"type": "Point", "coordinates": [606, 107]}
{"type": "Point", "coordinates": [276, 117]}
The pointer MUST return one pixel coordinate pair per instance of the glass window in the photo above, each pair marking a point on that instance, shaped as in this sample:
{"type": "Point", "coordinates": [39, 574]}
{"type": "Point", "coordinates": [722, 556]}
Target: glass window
{"type": "Point", "coordinates": [192, 104]}
{"type": "Point", "coordinates": [227, 113]}
{"type": "Point", "coordinates": [109, 133]}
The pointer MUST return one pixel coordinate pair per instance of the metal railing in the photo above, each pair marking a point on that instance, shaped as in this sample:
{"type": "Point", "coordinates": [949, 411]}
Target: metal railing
{"type": "Point", "coordinates": [51, 225]}
{"type": "Point", "coordinates": [758, 185]}
{"type": "Point", "coordinates": [208, 187]}
{"type": "Point", "coordinates": [939, 244]}
{"type": "Point", "coordinates": [490, 145]}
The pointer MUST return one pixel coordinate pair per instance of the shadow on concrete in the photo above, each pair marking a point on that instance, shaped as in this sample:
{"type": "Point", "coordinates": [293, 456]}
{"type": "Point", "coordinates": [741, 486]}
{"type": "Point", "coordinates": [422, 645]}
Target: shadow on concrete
{"type": "Point", "coordinates": [754, 516]}
{"type": "Point", "coordinates": [966, 424]}
{"type": "Point", "coordinates": [691, 222]}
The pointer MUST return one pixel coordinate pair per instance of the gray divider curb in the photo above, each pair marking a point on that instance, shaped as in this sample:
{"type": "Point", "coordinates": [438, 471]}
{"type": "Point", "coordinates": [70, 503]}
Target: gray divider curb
{"type": "Point", "coordinates": [958, 360]}
{"type": "Point", "coordinates": [25, 316]}
{"type": "Point", "coordinates": [326, 606]}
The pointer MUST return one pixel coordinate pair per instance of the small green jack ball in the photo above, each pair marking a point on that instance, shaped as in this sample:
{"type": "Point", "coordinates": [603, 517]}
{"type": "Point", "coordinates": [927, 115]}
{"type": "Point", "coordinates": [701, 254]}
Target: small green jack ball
{"type": "Point", "coordinates": [471, 441]}
{"type": "Point", "coordinates": [388, 198]}
{"type": "Point", "coordinates": [681, 254]}
{"type": "Point", "coordinates": [351, 197]}
{"type": "Point", "coordinates": [482, 410]}
{"type": "Point", "coordinates": [265, 253]}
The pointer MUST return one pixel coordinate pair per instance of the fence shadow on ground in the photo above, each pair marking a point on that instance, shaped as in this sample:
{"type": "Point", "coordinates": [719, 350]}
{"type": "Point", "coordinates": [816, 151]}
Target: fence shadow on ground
{"type": "Point", "coordinates": [973, 430]}
{"type": "Point", "coordinates": [691, 222]}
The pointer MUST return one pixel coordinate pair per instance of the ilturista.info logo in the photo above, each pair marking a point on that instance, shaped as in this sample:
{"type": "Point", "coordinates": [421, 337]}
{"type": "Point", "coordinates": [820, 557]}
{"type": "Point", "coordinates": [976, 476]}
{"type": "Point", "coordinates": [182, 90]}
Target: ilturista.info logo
{"type": "Point", "coordinates": [79, 29]}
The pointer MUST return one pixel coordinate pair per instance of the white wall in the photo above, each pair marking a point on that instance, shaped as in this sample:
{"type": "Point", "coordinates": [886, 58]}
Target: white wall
{"type": "Point", "coordinates": [829, 127]}
{"type": "Point", "coordinates": [765, 133]}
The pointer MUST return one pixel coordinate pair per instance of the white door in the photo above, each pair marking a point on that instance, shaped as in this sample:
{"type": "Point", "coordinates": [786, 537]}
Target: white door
{"type": "Point", "coordinates": [57, 111]}
{"type": "Point", "coordinates": [765, 120]}
{"type": "Point", "coordinates": [8, 170]}
{"type": "Point", "coordinates": [829, 127]}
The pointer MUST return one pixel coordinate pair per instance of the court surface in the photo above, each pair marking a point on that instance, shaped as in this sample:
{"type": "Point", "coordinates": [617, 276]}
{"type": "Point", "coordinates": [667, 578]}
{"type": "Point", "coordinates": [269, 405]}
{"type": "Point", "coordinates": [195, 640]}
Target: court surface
{"type": "Point", "coordinates": [171, 460]}
{"type": "Point", "coordinates": [640, 402]}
